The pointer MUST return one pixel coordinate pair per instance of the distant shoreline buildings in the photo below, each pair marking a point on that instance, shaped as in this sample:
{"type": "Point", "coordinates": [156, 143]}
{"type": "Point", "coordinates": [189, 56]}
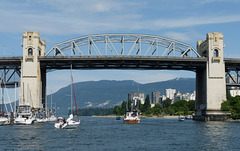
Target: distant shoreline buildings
{"type": "Point", "coordinates": [157, 98]}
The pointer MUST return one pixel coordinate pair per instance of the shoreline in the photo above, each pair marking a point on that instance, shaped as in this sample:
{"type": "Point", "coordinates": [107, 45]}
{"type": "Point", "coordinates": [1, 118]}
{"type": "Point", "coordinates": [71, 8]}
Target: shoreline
{"type": "Point", "coordinates": [150, 117]}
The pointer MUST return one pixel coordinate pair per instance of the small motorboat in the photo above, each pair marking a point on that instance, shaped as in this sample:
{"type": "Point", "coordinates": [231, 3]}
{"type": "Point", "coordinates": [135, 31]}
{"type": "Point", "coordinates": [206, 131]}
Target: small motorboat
{"type": "Point", "coordinates": [131, 117]}
{"type": "Point", "coordinates": [68, 124]}
{"type": "Point", "coordinates": [118, 117]}
{"type": "Point", "coordinates": [189, 117]}
{"type": "Point", "coordinates": [181, 118]}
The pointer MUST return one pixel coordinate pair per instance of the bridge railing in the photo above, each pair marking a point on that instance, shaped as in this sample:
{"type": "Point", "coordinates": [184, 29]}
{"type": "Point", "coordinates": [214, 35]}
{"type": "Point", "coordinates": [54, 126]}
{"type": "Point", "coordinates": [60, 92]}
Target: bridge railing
{"type": "Point", "coordinates": [122, 45]}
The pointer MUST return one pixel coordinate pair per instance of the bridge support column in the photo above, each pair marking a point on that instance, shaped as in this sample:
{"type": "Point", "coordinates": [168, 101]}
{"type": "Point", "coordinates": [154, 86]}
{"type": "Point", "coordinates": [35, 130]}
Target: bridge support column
{"type": "Point", "coordinates": [31, 76]}
{"type": "Point", "coordinates": [210, 82]}
{"type": "Point", "coordinates": [43, 97]}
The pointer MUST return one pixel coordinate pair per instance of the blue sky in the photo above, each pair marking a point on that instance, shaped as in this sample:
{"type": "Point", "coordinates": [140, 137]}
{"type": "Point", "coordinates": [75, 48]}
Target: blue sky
{"type": "Point", "coordinates": [59, 20]}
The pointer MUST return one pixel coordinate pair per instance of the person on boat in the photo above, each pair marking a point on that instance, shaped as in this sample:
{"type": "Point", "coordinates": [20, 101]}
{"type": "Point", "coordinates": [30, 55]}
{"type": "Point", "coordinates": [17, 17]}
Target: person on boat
{"type": "Point", "coordinates": [64, 120]}
{"type": "Point", "coordinates": [60, 121]}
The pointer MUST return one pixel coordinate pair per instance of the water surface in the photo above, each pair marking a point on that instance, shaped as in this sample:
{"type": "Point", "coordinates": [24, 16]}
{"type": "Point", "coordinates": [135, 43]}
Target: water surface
{"type": "Point", "coordinates": [96, 134]}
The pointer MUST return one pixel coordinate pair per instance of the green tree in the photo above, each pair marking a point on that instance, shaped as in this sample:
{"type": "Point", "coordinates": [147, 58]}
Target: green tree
{"type": "Point", "coordinates": [167, 103]}
{"type": "Point", "coordinates": [181, 105]}
{"type": "Point", "coordinates": [232, 105]}
{"type": "Point", "coordinates": [129, 104]}
{"type": "Point", "coordinates": [191, 105]}
{"type": "Point", "coordinates": [147, 104]}
{"type": "Point", "coordinates": [170, 110]}
{"type": "Point", "coordinates": [117, 110]}
{"type": "Point", "coordinates": [229, 97]}
{"type": "Point", "coordinates": [123, 107]}
{"type": "Point", "coordinates": [157, 109]}
{"type": "Point", "coordinates": [225, 106]}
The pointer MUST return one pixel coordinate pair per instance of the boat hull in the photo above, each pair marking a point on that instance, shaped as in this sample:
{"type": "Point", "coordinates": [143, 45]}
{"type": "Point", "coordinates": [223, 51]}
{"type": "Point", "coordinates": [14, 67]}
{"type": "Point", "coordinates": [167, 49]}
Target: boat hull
{"type": "Point", "coordinates": [70, 125]}
{"type": "Point", "coordinates": [23, 121]}
{"type": "Point", "coordinates": [3, 121]}
{"type": "Point", "coordinates": [131, 121]}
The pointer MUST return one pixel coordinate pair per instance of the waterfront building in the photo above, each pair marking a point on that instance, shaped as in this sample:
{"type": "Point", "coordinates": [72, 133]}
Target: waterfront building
{"type": "Point", "coordinates": [162, 98]}
{"type": "Point", "coordinates": [170, 93]}
{"type": "Point", "coordinates": [155, 97]}
{"type": "Point", "coordinates": [178, 96]}
{"type": "Point", "coordinates": [134, 97]}
{"type": "Point", "coordinates": [235, 92]}
{"type": "Point", "coordinates": [193, 95]}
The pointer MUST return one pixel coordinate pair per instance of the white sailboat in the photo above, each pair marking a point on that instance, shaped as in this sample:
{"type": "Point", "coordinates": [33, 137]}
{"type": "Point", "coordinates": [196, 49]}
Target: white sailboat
{"type": "Point", "coordinates": [69, 123]}
{"type": "Point", "coordinates": [3, 120]}
{"type": "Point", "coordinates": [25, 116]}
{"type": "Point", "coordinates": [52, 117]}
{"type": "Point", "coordinates": [24, 112]}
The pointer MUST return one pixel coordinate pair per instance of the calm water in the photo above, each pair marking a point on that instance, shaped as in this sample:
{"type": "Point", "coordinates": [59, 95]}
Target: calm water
{"type": "Point", "coordinates": [110, 134]}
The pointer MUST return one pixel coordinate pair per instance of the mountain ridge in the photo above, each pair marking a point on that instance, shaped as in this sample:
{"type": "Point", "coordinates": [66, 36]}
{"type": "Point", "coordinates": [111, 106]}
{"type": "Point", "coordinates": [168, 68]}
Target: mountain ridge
{"type": "Point", "coordinates": [108, 93]}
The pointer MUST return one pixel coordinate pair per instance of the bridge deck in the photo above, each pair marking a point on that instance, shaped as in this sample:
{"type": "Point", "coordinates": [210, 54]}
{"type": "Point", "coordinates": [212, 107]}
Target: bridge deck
{"type": "Point", "coordinates": [10, 62]}
{"type": "Point", "coordinates": [146, 63]}
{"type": "Point", "coordinates": [232, 64]}
{"type": "Point", "coordinates": [175, 63]}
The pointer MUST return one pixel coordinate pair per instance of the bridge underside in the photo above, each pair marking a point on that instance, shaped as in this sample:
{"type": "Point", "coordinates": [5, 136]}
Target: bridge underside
{"type": "Point", "coordinates": [10, 71]}
{"type": "Point", "coordinates": [146, 63]}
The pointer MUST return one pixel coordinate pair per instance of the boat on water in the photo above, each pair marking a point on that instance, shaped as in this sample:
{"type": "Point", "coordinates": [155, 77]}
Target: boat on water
{"type": "Point", "coordinates": [25, 116]}
{"type": "Point", "coordinates": [69, 123]}
{"type": "Point", "coordinates": [189, 117]}
{"type": "Point", "coordinates": [3, 118]}
{"type": "Point", "coordinates": [52, 118]}
{"type": "Point", "coordinates": [131, 117]}
{"type": "Point", "coordinates": [181, 118]}
{"type": "Point", "coordinates": [118, 117]}
{"type": "Point", "coordinates": [42, 120]}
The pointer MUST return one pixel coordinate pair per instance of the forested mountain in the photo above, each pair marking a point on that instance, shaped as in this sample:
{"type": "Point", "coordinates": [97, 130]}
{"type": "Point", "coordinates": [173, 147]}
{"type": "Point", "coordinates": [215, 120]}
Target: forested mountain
{"type": "Point", "coordinates": [108, 93]}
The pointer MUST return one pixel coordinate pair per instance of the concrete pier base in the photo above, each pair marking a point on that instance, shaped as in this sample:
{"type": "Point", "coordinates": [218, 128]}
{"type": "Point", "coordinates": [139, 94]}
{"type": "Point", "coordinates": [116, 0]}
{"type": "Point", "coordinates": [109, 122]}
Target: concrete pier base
{"type": "Point", "coordinates": [212, 116]}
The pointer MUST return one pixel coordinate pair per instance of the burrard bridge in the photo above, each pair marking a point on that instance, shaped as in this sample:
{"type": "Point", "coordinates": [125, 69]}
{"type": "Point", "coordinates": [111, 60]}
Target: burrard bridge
{"type": "Point", "coordinates": [123, 51]}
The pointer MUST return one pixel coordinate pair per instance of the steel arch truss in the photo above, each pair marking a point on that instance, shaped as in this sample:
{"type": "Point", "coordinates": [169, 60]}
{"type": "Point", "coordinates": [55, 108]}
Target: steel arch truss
{"type": "Point", "coordinates": [122, 45]}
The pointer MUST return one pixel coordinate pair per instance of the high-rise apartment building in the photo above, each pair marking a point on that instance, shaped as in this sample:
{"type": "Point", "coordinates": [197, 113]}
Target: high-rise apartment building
{"type": "Point", "coordinates": [155, 97]}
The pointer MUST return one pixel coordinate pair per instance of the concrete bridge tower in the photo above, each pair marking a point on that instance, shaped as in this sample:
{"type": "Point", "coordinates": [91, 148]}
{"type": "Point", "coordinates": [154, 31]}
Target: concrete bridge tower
{"type": "Point", "coordinates": [31, 79]}
{"type": "Point", "coordinates": [210, 81]}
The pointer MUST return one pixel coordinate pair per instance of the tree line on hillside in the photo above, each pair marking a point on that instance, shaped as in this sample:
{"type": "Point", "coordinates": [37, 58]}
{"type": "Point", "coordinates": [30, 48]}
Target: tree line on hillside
{"type": "Point", "coordinates": [232, 105]}
{"type": "Point", "coordinates": [183, 107]}
{"type": "Point", "coordinates": [179, 107]}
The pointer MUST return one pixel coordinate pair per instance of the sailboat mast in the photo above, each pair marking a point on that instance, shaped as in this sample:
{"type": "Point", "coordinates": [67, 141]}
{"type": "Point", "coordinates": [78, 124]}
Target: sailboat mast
{"type": "Point", "coordinates": [46, 111]}
{"type": "Point", "coordinates": [71, 90]}
{"type": "Point", "coordinates": [75, 99]}
{"type": "Point", "coordinates": [15, 104]}
{"type": "Point", "coordinates": [51, 100]}
{"type": "Point", "coordinates": [2, 100]}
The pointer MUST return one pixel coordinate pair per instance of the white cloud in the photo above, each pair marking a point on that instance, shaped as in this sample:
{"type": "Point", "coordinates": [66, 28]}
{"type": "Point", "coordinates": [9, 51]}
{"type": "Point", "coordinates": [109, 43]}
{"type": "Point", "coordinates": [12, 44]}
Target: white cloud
{"type": "Point", "coordinates": [191, 36]}
{"type": "Point", "coordinates": [60, 17]}
{"type": "Point", "coordinates": [194, 21]}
